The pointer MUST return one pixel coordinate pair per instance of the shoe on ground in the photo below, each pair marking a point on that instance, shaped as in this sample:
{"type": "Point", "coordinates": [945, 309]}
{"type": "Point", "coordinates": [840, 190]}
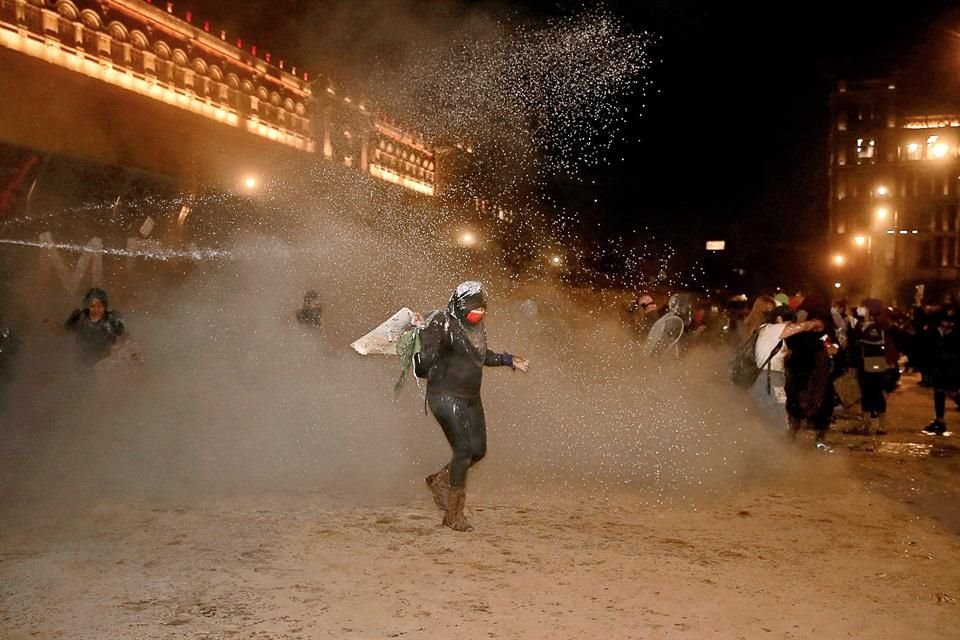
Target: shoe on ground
{"type": "Point", "coordinates": [823, 448]}
{"type": "Point", "coordinates": [935, 428]}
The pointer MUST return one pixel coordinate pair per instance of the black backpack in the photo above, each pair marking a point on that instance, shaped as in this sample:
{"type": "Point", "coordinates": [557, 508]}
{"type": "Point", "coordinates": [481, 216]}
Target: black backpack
{"type": "Point", "coordinates": [426, 353]}
{"type": "Point", "coordinates": [743, 368]}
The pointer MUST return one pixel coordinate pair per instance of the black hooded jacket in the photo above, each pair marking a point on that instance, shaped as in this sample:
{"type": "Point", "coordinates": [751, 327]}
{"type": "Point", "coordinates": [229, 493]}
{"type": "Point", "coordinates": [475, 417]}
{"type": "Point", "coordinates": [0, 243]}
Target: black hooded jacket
{"type": "Point", "coordinates": [95, 339]}
{"type": "Point", "coordinates": [454, 352]}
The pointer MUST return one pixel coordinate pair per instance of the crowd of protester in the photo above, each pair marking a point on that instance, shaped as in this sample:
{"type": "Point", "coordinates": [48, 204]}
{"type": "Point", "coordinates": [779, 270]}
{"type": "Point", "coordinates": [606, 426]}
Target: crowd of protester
{"type": "Point", "coordinates": [807, 361]}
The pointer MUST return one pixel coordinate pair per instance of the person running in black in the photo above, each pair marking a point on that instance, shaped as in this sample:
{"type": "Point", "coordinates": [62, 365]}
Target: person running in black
{"type": "Point", "coordinates": [453, 354]}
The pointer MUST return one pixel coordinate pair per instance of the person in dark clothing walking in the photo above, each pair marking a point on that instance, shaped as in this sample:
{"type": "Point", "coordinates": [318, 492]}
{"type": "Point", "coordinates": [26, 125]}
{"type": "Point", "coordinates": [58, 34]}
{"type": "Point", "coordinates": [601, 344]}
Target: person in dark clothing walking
{"type": "Point", "coordinates": [311, 313]}
{"type": "Point", "coordinates": [809, 369]}
{"type": "Point", "coordinates": [943, 366]}
{"type": "Point", "coordinates": [99, 331]}
{"type": "Point", "coordinates": [873, 355]}
{"type": "Point", "coordinates": [453, 354]}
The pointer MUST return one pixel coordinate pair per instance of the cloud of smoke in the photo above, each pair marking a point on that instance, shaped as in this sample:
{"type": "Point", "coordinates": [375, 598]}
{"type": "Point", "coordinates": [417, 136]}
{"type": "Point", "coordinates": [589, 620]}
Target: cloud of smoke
{"type": "Point", "coordinates": [235, 396]}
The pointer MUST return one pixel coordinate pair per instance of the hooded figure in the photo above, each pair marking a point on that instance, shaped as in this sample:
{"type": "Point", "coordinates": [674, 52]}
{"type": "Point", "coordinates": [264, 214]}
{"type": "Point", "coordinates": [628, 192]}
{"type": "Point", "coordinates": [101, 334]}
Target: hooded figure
{"type": "Point", "coordinates": [454, 352]}
{"type": "Point", "coordinates": [311, 313]}
{"type": "Point", "coordinates": [809, 370]}
{"type": "Point", "coordinates": [666, 332]}
{"type": "Point", "coordinates": [96, 327]}
{"type": "Point", "coordinates": [943, 340]}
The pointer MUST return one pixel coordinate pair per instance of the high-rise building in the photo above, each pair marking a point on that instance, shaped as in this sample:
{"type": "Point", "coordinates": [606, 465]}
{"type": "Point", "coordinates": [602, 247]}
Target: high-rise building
{"type": "Point", "coordinates": [894, 177]}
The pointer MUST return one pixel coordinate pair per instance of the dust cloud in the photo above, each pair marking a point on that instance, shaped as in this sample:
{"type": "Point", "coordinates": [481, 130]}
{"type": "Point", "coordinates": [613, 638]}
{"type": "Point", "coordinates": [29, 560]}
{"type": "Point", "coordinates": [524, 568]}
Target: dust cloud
{"type": "Point", "coordinates": [236, 397]}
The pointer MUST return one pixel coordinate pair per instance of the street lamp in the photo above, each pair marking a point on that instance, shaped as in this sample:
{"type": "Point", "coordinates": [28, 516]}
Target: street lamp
{"type": "Point", "coordinates": [468, 239]}
{"type": "Point", "coordinates": [839, 259]}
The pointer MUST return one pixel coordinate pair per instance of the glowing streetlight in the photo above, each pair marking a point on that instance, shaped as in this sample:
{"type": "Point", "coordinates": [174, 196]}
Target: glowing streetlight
{"type": "Point", "coordinates": [839, 259]}
{"type": "Point", "coordinates": [882, 190]}
{"type": "Point", "coordinates": [250, 183]}
{"type": "Point", "coordinates": [837, 285]}
{"type": "Point", "coordinates": [468, 239]}
{"type": "Point", "coordinates": [860, 241]}
{"type": "Point", "coordinates": [556, 261]}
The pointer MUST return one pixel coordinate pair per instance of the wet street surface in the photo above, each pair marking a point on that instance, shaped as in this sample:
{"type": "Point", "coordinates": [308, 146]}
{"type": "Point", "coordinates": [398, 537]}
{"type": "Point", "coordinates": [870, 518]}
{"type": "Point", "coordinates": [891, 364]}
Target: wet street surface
{"type": "Point", "coordinates": [906, 465]}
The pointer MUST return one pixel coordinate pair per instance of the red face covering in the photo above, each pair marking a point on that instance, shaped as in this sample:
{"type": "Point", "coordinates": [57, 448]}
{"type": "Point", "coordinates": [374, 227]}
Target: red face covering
{"type": "Point", "coordinates": [475, 316]}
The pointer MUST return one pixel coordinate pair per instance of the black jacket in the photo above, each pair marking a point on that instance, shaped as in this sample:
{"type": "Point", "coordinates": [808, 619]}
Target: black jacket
{"type": "Point", "coordinates": [448, 360]}
{"type": "Point", "coordinates": [94, 339]}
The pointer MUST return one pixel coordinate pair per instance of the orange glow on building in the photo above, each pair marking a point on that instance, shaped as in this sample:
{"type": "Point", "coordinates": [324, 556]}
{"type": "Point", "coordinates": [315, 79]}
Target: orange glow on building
{"type": "Point", "coordinates": [141, 48]}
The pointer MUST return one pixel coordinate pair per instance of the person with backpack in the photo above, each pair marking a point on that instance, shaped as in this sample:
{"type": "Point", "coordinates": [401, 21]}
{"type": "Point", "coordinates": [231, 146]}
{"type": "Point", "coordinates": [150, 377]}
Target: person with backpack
{"type": "Point", "coordinates": [874, 358]}
{"type": "Point", "coordinates": [768, 388]}
{"type": "Point", "coordinates": [453, 352]}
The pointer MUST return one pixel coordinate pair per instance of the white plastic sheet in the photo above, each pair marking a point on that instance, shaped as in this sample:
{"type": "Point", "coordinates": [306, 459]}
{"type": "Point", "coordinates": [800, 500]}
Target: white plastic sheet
{"type": "Point", "coordinates": [383, 339]}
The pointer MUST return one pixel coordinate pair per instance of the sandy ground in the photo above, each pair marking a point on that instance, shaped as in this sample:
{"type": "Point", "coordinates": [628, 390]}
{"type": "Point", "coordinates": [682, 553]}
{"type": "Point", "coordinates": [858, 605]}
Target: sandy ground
{"type": "Point", "coordinates": [864, 543]}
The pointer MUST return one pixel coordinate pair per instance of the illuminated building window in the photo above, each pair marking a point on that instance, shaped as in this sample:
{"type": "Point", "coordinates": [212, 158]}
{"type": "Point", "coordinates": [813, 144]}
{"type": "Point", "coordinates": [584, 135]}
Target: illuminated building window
{"type": "Point", "coordinates": [841, 188]}
{"type": "Point", "coordinates": [891, 120]}
{"type": "Point", "coordinates": [948, 252]}
{"type": "Point", "coordinates": [866, 148]}
{"type": "Point", "coordinates": [913, 151]}
{"type": "Point", "coordinates": [841, 122]}
{"type": "Point", "coordinates": [841, 157]}
{"type": "Point", "coordinates": [936, 148]}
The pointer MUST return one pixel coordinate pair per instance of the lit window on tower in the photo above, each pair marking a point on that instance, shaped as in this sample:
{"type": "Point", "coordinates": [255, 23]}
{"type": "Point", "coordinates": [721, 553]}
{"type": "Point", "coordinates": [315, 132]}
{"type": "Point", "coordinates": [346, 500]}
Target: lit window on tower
{"type": "Point", "coordinates": [865, 148]}
{"type": "Point", "coordinates": [913, 151]}
{"type": "Point", "coordinates": [936, 148]}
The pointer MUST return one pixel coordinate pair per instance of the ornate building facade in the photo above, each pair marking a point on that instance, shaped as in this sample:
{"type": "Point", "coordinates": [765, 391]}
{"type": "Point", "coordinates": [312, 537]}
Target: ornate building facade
{"type": "Point", "coordinates": [146, 49]}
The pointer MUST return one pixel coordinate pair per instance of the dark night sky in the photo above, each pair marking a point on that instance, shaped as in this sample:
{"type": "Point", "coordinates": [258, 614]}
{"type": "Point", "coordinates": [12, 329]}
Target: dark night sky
{"type": "Point", "coordinates": [734, 144]}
